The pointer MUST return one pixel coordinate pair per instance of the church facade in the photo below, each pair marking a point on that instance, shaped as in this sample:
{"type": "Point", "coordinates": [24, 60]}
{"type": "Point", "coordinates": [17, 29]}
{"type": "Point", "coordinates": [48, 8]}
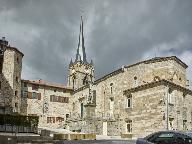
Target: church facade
{"type": "Point", "coordinates": [132, 101]}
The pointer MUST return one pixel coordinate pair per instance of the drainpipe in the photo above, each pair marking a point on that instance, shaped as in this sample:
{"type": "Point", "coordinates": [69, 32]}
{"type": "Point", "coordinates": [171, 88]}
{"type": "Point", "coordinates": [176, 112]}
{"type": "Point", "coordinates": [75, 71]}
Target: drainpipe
{"type": "Point", "coordinates": [167, 108]}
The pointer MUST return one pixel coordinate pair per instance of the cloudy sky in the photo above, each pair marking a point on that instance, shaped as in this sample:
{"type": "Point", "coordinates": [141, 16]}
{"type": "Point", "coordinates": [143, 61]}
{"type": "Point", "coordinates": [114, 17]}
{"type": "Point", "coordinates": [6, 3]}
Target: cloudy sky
{"type": "Point", "coordinates": [117, 32]}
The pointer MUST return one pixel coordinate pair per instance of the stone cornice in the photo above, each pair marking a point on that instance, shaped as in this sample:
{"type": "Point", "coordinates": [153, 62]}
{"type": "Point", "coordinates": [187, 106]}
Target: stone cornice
{"type": "Point", "coordinates": [153, 60]}
{"type": "Point", "coordinates": [158, 83]}
{"type": "Point", "coordinates": [160, 59]}
{"type": "Point", "coordinates": [15, 49]}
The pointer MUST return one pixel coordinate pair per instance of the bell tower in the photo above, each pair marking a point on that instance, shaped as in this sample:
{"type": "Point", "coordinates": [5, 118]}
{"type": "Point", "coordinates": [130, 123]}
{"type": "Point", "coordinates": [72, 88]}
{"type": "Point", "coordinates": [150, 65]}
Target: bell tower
{"type": "Point", "coordinates": [81, 72]}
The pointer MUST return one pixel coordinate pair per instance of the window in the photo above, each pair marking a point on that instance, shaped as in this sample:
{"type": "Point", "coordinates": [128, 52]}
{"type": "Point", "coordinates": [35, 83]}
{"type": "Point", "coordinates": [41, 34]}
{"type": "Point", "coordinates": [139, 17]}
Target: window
{"type": "Point", "coordinates": [16, 105]}
{"type": "Point", "coordinates": [171, 123]}
{"type": "Point", "coordinates": [16, 93]}
{"type": "Point", "coordinates": [34, 95]}
{"type": "Point", "coordinates": [111, 88]}
{"type": "Point", "coordinates": [129, 126]}
{"type": "Point", "coordinates": [129, 102]}
{"type": "Point", "coordinates": [25, 84]}
{"type": "Point", "coordinates": [60, 99]}
{"type": "Point", "coordinates": [59, 119]}
{"type": "Point", "coordinates": [67, 116]}
{"type": "Point", "coordinates": [85, 80]}
{"type": "Point", "coordinates": [135, 81]}
{"type": "Point", "coordinates": [184, 124]}
{"type": "Point", "coordinates": [111, 104]}
{"type": "Point", "coordinates": [17, 79]}
{"type": "Point", "coordinates": [94, 96]}
{"type": "Point", "coordinates": [55, 90]}
{"type": "Point", "coordinates": [17, 60]}
{"type": "Point", "coordinates": [50, 119]}
{"type": "Point", "coordinates": [24, 94]}
{"type": "Point", "coordinates": [82, 110]}
{"type": "Point", "coordinates": [35, 87]}
{"type": "Point", "coordinates": [171, 97]}
{"type": "Point", "coordinates": [73, 106]}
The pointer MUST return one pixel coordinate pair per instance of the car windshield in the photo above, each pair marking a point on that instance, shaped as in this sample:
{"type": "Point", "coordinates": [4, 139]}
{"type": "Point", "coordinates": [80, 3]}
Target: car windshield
{"type": "Point", "coordinates": [189, 133]}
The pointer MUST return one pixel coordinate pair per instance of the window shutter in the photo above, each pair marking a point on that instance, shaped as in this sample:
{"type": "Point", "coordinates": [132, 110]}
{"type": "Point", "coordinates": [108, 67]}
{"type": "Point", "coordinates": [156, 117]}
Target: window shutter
{"type": "Point", "coordinates": [39, 96]}
{"type": "Point", "coordinates": [29, 95]}
{"type": "Point", "coordinates": [67, 99]}
{"type": "Point", "coordinates": [60, 99]}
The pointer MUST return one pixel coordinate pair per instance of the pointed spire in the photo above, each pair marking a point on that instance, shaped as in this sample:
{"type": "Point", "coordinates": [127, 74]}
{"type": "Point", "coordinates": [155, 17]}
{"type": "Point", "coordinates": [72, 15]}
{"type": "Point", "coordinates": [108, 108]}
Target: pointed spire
{"type": "Point", "coordinates": [71, 63]}
{"type": "Point", "coordinates": [91, 63]}
{"type": "Point", "coordinates": [81, 55]}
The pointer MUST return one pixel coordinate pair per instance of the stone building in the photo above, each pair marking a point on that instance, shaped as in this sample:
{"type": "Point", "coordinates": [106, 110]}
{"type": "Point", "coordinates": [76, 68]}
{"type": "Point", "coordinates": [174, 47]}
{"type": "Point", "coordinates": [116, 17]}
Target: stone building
{"type": "Point", "coordinates": [47, 100]}
{"type": "Point", "coordinates": [10, 80]}
{"type": "Point", "coordinates": [135, 100]}
{"type": "Point", "coordinates": [132, 101]}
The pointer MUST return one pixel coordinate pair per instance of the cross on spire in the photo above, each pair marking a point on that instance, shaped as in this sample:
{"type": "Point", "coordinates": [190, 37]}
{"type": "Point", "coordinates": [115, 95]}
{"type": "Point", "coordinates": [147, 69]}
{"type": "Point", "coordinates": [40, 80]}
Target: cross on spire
{"type": "Point", "coordinates": [81, 55]}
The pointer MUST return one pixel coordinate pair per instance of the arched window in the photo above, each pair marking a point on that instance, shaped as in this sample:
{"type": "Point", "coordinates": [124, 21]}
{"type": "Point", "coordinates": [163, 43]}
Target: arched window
{"type": "Point", "coordinates": [85, 80]}
{"type": "Point", "coordinates": [82, 110]}
{"type": "Point", "coordinates": [73, 80]}
{"type": "Point", "coordinates": [129, 101]}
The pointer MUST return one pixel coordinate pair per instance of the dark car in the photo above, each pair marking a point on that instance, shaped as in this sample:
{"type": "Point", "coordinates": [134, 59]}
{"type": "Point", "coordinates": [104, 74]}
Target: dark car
{"type": "Point", "coordinates": [167, 137]}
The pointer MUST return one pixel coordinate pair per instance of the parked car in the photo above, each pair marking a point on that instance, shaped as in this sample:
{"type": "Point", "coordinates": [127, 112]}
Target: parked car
{"type": "Point", "coordinates": [167, 137]}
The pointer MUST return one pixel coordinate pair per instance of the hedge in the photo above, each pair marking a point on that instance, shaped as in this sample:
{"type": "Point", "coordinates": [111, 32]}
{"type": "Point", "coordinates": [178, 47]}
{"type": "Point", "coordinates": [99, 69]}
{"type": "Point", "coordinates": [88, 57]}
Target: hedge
{"type": "Point", "coordinates": [19, 120]}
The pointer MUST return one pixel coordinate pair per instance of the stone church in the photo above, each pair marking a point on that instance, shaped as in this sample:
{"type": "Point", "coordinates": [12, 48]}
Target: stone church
{"type": "Point", "coordinates": [132, 101]}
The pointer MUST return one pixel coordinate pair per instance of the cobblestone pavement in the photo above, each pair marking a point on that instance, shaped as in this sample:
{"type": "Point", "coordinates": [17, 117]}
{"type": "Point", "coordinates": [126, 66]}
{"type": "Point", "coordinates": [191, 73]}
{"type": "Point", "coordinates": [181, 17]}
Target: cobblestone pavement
{"type": "Point", "coordinates": [98, 142]}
